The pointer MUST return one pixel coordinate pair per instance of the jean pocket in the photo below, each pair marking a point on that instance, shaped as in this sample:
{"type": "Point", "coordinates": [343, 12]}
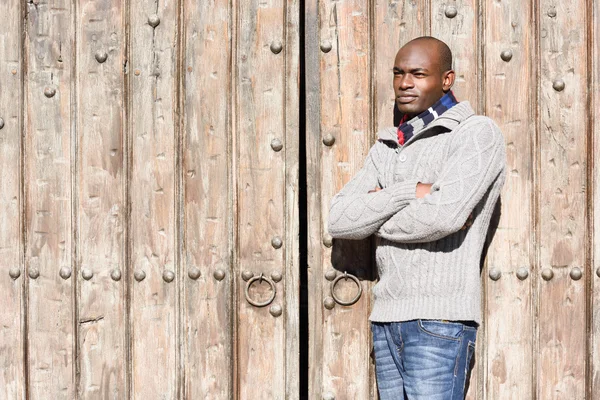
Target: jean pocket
{"type": "Point", "coordinates": [441, 329]}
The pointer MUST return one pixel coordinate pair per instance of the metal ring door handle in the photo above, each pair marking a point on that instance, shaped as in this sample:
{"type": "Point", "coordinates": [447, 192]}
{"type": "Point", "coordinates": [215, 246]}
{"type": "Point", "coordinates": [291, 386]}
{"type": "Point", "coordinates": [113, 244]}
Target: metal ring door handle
{"type": "Point", "coordinates": [263, 303]}
{"type": "Point", "coordinates": [346, 276]}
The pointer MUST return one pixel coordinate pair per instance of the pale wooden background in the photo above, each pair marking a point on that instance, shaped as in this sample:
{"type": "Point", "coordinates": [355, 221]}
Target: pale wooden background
{"type": "Point", "coordinates": [138, 140]}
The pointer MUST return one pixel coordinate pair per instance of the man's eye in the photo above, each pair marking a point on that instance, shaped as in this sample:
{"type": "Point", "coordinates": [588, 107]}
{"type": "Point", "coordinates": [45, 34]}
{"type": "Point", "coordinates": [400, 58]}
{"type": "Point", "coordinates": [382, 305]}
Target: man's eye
{"type": "Point", "coordinates": [419, 75]}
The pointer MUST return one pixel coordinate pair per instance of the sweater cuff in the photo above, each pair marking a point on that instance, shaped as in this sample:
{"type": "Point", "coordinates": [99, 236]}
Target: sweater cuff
{"type": "Point", "coordinates": [404, 191]}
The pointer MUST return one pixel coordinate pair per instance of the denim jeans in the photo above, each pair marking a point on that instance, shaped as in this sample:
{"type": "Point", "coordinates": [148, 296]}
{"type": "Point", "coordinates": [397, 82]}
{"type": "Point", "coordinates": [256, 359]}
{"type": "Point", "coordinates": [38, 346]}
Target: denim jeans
{"type": "Point", "coordinates": [422, 359]}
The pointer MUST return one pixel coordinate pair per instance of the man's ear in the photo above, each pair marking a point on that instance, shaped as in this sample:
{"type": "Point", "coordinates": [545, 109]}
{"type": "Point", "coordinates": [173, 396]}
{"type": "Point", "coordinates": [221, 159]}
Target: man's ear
{"type": "Point", "coordinates": [448, 80]}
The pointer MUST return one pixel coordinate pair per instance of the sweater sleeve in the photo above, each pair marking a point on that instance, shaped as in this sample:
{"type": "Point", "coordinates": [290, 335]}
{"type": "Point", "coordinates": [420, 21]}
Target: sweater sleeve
{"type": "Point", "coordinates": [355, 213]}
{"type": "Point", "coordinates": [477, 159]}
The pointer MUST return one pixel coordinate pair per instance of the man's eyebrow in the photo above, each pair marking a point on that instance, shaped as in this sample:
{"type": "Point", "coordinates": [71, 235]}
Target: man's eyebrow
{"type": "Point", "coordinates": [412, 70]}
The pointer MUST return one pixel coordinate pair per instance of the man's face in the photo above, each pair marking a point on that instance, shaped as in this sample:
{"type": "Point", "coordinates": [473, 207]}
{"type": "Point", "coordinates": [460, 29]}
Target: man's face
{"type": "Point", "coordinates": [418, 77]}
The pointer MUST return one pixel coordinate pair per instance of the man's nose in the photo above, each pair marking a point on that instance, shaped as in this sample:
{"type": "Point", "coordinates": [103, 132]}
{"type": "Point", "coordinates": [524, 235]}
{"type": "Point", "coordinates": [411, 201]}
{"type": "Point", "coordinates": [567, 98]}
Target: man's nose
{"type": "Point", "coordinates": [406, 82]}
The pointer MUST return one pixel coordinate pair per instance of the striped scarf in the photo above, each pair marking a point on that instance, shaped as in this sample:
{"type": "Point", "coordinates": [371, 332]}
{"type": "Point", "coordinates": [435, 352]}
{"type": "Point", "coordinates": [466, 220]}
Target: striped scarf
{"type": "Point", "coordinates": [406, 128]}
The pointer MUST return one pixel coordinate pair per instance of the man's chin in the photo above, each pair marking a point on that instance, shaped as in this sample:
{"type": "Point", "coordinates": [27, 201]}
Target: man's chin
{"type": "Point", "coordinates": [408, 108]}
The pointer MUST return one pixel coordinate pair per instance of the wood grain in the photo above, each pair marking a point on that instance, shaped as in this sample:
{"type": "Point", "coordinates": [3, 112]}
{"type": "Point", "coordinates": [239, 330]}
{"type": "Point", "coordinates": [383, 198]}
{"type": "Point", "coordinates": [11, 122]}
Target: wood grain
{"type": "Point", "coordinates": [395, 23]}
{"type": "Point", "coordinates": [261, 181]}
{"type": "Point", "coordinates": [101, 199]}
{"type": "Point", "coordinates": [12, 382]}
{"type": "Point", "coordinates": [207, 165]}
{"type": "Point", "coordinates": [594, 318]}
{"type": "Point", "coordinates": [345, 112]}
{"type": "Point", "coordinates": [562, 303]}
{"type": "Point", "coordinates": [153, 197]}
{"type": "Point", "coordinates": [509, 90]}
{"type": "Point", "coordinates": [48, 200]}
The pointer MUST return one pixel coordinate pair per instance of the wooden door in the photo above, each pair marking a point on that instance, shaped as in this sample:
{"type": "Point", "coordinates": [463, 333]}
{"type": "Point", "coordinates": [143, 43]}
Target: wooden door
{"type": "Point", "coordinates": [532, 67]}
{"type": "Point", "coordinates": [149, 178]}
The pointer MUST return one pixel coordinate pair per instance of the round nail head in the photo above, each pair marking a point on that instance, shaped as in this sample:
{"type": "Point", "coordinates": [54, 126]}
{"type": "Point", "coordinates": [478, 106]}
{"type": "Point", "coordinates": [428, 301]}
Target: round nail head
{"type": "Point", "coordinates": [276, 144]}
{"type": "Point", "coordinates": [495, 274]}
{"type": "Point", "coordinates": [506, 55]}
{"type": "Point", "coordinates": [49, 92]}
{"type": "Point", "coordinates": [522, 273]}
{"type": "Point", "coordinates": [552, 12]}
{"type": "Point", "coordinates": [115, 274]}
{"type": "Point", "coordinates": [598, 272]}
{"type": "Point", "coordinates": [34, 273]}
{"type": "Point", "coordinates": [65, 272]}
{"type": "Point", "coordinates": [547, 274]}
{"type": "Point", "coordinates": [276, 276]}
{"type": "Point", "coordinates": [219, 274]}
{"type": "Point", "coordinates": [451, 12]}
{"type": "Point", "coordinates": [328, 140]}
{"type": "Point", "coordinates": [194, 273]}
{"type": "Point", "coordinates": [168, 276]}
{"type": "Point", "coordinates": [276, 47]}
{"type": "Point", "coordinates": [275, 310]}
{"type": "Point", "coordinates": [87, 274]}
{"type": "Point", "coordinates": [330, 274]}
{"type": "Point", "coordinates": [153, 20]}
{"type": "Point", "coordinates": [276, 242]}
{"type": "Point", "coordinates": [327, 240]}
{"type": "Point", "coordinates": [576, 273]}
{"type": "Point", "coordinates": [101, 56]}
{"type": "Point", "coordinates": [247, 275]}
{"type": "Point", "coordinates": [139, 275]}
{"type": "Point", "coordinates": [326, 46]}
{"type": "Point", "coordinates": [329, 303]}
{"type": "Point", "coordinates": [14, 272]}
{"type": "Point", "coordinates": [1, 123]}
{"type": "Point", "coordinates": [558, 85]}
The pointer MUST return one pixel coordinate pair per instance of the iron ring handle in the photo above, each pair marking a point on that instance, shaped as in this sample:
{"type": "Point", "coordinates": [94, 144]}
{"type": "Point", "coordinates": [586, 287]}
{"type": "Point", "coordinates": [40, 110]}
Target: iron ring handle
{"type": "Point", "coordinates": [345, 277]}
{"type": "Point", "coordinates": [266, 302]}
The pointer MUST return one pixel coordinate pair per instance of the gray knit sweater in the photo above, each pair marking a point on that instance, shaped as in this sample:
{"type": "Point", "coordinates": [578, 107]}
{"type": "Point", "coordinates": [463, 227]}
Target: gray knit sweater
{"type": "Point", "coordinates": [428, 266]}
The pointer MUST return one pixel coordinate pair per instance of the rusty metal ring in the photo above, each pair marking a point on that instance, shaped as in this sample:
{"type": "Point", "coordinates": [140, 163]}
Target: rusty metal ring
{"type": "Point", "coordinates": [345, 277]}
{"type": "Point", "coordinates": [266, 302]}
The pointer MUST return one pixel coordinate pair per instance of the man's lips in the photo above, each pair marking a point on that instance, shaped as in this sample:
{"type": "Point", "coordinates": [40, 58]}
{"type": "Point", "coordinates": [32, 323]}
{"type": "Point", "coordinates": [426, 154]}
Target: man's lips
{"type": "Point", "coordinates": [406, 98]}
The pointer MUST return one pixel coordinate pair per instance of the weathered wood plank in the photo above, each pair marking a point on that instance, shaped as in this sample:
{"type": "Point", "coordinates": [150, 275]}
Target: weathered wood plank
{"type": "Point", "coordinates": [207, 207]}
{"type": "Point", "coordinates": [292, 217]}
{"type": "Point", "coordinates": [261, 213]}
{"type": "Point", "coordinates": [395, 23]}
{"type": "Point", "coordinates": [456, 24]}
{"type": "Point", "coordinates": [12, 378]}
{"type": "Point", "coordinates": [101, 201]}
{"type": "Point", "coordinates": [48, 200]}
{"type": "Point", "coordinates": [562, 303]}
{"type": "Point", "coordinates": [153, 198]}
{"type": "Point", "coordinates": [509, 89]}
{"type": "Point", "coordinates": [345, 114]}
{"type": "Point", "coordinates": [595, 120]}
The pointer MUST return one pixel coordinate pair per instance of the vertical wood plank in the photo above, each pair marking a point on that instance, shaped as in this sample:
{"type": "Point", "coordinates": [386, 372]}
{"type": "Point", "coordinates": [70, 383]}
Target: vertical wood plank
{"type": "Point", "coordinates": [396, 23]}
{"type": "Point", "coordinates": [101, 205]}
{"type": "Point", "coordinates": [12, 377]}
{"type": "Point", "coordinates": [345, 114]}
{"type": "Point", "coordinates": [48, 222]}
{"type": "Point", "coordinates": [455, 22]}
{"type": "Point", "coordinates": [207, 209]}
{"type": "Point", "coordinates": [562, 320]}
{"type": "Point", "coordinates": [508, 91]}
{"type": "Point", "coordinates": [594, 105]}
{"type": "Point", "coordinates": [153, 197]}
{"type": "Point", "coordinates": [292, 217]}
{"type": "Point", "coordinates": [262, 152]}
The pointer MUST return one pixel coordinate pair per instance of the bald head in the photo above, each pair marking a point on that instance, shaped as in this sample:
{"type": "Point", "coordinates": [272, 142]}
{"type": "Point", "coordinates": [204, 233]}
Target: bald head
{"type": "Point", "coordinates": [438, 47]}
{"type": "Point", "coordinates": [422, 74]}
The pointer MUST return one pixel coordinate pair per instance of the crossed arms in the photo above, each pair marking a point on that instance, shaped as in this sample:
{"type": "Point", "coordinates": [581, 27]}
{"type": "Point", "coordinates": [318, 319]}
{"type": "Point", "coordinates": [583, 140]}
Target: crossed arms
{"type": "Point", "coordinates": [405, 212]}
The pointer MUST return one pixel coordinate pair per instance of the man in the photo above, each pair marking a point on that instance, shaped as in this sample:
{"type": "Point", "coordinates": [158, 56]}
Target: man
{"type": "Point", "coordinates": [427, 190]}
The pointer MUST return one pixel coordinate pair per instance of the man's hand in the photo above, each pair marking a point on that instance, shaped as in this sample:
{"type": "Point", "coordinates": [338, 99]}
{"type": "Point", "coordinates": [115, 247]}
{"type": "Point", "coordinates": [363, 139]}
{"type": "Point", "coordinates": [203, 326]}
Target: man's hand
{"type": "Point", "coordinates": [377, 189]}
{"type": "Point", "coordinates": [423, 189]}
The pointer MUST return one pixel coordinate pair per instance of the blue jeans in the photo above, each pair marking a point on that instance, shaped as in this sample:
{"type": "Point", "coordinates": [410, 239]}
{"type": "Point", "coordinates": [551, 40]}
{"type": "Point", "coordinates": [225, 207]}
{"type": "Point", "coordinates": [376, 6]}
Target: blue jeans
{"type": "Point", "coordinates": [422, 359]}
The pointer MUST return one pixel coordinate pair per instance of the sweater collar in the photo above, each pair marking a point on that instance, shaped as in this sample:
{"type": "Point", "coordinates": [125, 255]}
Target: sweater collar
{"type": "Point", "coordinates": [449, 120]}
